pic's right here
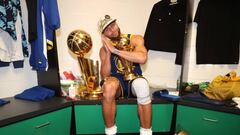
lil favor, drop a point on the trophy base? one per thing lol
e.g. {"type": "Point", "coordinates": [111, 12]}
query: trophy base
{"type": "Point", "coordinates": [93, 97]}
{"type": "Point", "coordinates": [93, 94]}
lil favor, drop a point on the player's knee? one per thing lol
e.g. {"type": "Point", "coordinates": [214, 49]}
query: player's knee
{"type": "Point", "coordinates": [140, 89]}
{"type": "Point", "coordinates": [110, 87]}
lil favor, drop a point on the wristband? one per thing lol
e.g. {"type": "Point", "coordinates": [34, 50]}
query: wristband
{"type": "Point", "coordinates": [116, 51]}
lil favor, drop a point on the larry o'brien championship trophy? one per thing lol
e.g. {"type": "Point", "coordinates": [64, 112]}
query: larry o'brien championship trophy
{"type": "Point", "coordinates": [127, 67]}
{"type": "Point", "coordinates": [80, 43]}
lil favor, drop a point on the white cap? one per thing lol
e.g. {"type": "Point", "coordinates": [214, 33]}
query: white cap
{"type": "Point", "coordinates": [104, 22]}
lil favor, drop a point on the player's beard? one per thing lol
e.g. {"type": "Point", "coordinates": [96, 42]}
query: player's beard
{"type": "Point", "coordinates": [117, 37]}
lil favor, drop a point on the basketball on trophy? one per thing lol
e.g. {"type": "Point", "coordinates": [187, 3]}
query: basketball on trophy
{"type": "Point", "coordinates": [79, 42]}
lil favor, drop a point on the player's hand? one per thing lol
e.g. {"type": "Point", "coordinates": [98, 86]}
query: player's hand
{"type": "Point", "coordinates": [107, 43]}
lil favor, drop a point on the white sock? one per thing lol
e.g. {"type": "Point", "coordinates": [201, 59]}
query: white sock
{"type": "Point", "coordinates": [111, 131]}
{"type": "Point", "coordinates": [145, 131]}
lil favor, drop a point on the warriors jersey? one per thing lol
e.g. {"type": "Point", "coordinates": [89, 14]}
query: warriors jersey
{"type": "Point", "coordinates": [117, 69]}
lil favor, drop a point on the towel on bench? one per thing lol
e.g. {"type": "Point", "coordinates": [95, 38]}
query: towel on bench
{"type": "Point", "coordinates": [3, 102]}
{"type": "Point", "coordinates": [36, 93]}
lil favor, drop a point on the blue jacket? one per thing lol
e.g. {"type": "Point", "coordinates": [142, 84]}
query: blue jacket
{"type": "Point", "coordinates": [49, 8]}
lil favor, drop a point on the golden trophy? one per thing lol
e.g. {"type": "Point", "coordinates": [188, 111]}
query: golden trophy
{"type": "Point", "coordinates": [80, 43]}
{"type": "Point", "coordinates": [123, 43]}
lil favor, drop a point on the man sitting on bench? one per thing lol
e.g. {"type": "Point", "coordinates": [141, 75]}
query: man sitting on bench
{"type": "Point", "coordinates": [114, 82]}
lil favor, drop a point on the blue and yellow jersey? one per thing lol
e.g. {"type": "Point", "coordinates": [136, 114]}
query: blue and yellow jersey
{"type": "Point", "coordinates": [117, 68]}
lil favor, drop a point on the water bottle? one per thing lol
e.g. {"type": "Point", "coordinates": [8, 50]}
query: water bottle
{"type": "Point", "coordinates": [72, 91]}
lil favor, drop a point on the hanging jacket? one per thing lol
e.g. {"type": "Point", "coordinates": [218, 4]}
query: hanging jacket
{"type": "Point", "coordinates": [9, 10]}
{"type": "Point", "coordinates": [166, 28]}
{"type": "Point", "coordinates": [218, 30]}
{"type": "Point", "coordinates": [32, 19]}
{"type": "Point", "coordinates": [48, 21]}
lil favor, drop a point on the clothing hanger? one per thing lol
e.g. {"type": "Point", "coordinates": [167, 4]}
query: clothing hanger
{"type": "Point", "coordinates": [173, 2]}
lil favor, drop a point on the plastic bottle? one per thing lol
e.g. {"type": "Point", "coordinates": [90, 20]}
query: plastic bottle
{"type": "Point", "coordinates": [178, 84]}
{"type": "Point", "coordinates": [72, 91]}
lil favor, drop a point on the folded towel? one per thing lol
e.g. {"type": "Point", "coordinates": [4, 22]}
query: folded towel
{"type": "Point", "coordinates": [159, 93]}
{"type": "Point", "coordinates": [3, 102]}
{"type": "Point", "coordinates": [36, 93]}
{"type": "Point", "coordinates": [165, 94]}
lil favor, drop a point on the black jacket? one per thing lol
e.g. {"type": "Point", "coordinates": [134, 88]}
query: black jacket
{"type": "Point", "coordinates": [166, 28]}
{"type": "Point", "coordinates": [218, 31]}
{"type": "Point", "coordinates": [32, 19]}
